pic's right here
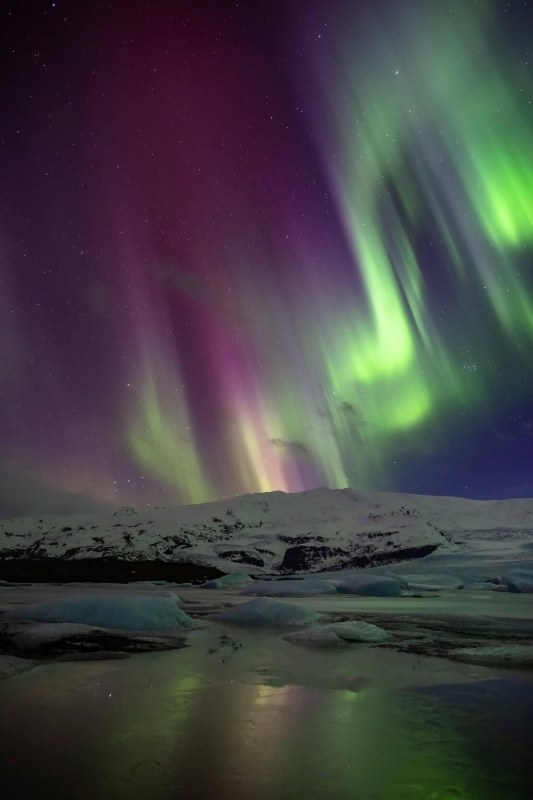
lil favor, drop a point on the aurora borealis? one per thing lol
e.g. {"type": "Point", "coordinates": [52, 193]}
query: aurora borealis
{"type": "Point", "coordinates": [259, 246]}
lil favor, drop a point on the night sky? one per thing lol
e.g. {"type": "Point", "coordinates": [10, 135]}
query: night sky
{"type": "Point", "coordinates": [248, 246]}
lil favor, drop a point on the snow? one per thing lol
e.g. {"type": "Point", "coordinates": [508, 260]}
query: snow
{"type": "Point", "coordinates": [291, 588]}
{"type": "Point", "coordinates": [127, 612]}
{"type": "Point", "coordinates": [370, 585]}
{"type": "Point", "coordinates": [264, 612]}
{"type": "Point", "coordinates": [359, 524]}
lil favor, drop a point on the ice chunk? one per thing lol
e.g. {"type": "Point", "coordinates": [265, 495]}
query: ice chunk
{"type": "Point", "coordinates": [515, 655]}
{"type": "Point", "coordinates": [372, 585]}
{"type": "Point", "coordinates": [519, 580]}
{"type": "Point", "coordinates": [430, 581]}
{"type": "Point", "coordinates": [484, 586]}
{"type": "Point", "coordinates": [148, 584]}
{"type": "Point", "coordinates": [11, 665]}
{"type": "Point", "coordinates": [395, 577]}
{"type": "Point", "coordinates": [264, 612]}
{"type": "Point", "coordinates": [228, 581]}
{"type": "Point", "coordinates": [321, 636]}
{"type": "Point", "coordinates": [359, 631]}
{"type": "Point", "coordinates": [290, 588]}
{"type": "Point", "coordinates": [128, 612]}
{"type": "Point", "coordinates": [33, 637]}
{"type": "Point", "coordinates": [337, 634]}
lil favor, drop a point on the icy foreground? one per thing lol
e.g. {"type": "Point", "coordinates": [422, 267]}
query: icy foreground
{"type": "Point", "coordinates": [101, 620]}
{"type": "Point", "coordinates": [323, 529]}
{"type": "Point", "coordinates": [304, 694]}
{"type": "Point", "coordinates": [260, 713]}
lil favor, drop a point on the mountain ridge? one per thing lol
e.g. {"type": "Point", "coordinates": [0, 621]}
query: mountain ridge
{"type": "Point", "coordinates": [277, 532]}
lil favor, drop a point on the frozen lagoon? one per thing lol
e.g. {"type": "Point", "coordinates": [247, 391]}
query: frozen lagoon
{"type": "Point", "coordinates": [244, 714]}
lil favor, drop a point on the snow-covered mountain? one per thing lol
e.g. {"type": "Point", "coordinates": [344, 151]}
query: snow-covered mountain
{"type": "Point", "coordinates": [278, 532]}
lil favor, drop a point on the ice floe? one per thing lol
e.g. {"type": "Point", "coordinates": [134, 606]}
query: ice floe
{"type": "Point", "coordinates": [291, 588]}
{"type": "Point", "coordinates": [127, 612]}
{"type": "Point", "coordinates": [264, 612]}
{"type": "Point", "coordinates": [370, 585]}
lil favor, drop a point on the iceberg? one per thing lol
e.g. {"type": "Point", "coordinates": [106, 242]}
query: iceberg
{"type": "Point", "coordinates": [321, 636]}
{"type": "Point", "coordinates": [290, 588]}
{"type": "Point", "coordinates": [431, 581]}
{"type": "Point", "coordinates": [484, 586]}
{"type": "Point", "coordinates": [127, 612]}
{"type": "Point", "coordinates": [227, 581]}
{"type": "Point", "coordinates": [264, 612]}
{"type": "Point", "coordinates": [359, 631]}
{"type": "Point", "coordinates": [519, 580]}
{"type": "Point", "coordinates": [34, 636]}
{"type": "Point", "coordinates": [337, 634]}
{"type": "Point", "coordinates": [373, 586]}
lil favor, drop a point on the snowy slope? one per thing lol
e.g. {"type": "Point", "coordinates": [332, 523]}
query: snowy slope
{"type": "Point", "coordinates": [278, 532]}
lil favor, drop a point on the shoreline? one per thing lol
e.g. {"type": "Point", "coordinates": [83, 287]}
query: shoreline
{"type": "Point", "coordinates": [102, 570]}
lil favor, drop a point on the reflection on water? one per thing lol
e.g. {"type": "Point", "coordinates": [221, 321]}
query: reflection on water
{"type": "Point", "coordinates": [163, 726]}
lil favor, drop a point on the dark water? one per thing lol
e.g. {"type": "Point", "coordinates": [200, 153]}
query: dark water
{"type": "Point", "coordinates": [179, 725]}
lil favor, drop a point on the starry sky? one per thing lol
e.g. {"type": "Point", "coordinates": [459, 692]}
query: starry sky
{"type": "Point", "coordinates": [255, 246]}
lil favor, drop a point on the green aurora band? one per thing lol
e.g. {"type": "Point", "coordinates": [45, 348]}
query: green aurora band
{"type": "Point", "coordinates": [425, 128]}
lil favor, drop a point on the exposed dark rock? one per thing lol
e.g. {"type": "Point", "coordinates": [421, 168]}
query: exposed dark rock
{"type": "Point", "coordinates": [300, 539]}
{"type": "Point", "coordinates": [309, 558]}
{"type": "Point", "coordinates": [242, 557]}
{"type": "Point", "coordinates": [391, 557]}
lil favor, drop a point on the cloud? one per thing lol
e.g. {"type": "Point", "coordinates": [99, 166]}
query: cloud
{"type": "Point", "coordinates": [24, 493]}
{"type": "Point", "coordinates": [349, 408]}
{"type": "Point", "coordinates": [287, 444]}
{"type": "Point", "coordinates": [354, 418]}
{"type": "Point", "coordinates": [527, 427]}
